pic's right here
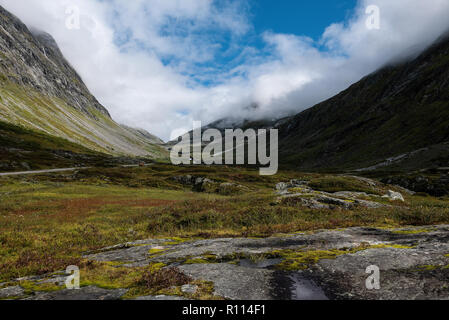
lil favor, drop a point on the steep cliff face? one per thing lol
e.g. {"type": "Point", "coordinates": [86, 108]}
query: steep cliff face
{"type": "Point", "coordinates": [41, 91]}
{"type": "Point", "coordinates": [394, 112]}
{"type": "Point", "coordinates": [32, 58]}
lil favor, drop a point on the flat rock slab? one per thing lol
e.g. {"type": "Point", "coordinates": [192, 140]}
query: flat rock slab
{"type": "Point", "coordinates": [85, 293]}
{"type": "Point", "coordinates": [131, 251]}
{"type": "Point", "coordinates": [234, 282]}
{"type": "Point", "coordinates": [418, 273]}
{"type": "Point", "coordinates": [323, 240]}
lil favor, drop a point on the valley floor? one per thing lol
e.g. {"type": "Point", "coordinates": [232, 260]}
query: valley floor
{"type": "Point", "coordinates": [218, 233]}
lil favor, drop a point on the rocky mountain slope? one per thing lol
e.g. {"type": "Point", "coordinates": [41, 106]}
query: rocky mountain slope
{"type": "Point", "coordinates": [39, 90]}
{"type": "Point", "coordinates": [390, 116]}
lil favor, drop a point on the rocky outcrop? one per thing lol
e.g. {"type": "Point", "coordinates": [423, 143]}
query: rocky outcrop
{"type": "Point", "coordinates": [31, 58]}
{"type": "Point", "coordinates": [299, 192]}
{"type": "Point", "coordinates": [202, 184]}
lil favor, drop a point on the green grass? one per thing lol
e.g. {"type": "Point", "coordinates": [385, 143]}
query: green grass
{"type": "Point", "coordinates": [294, 260]}
{"type": "Point", "coordinates": [46, 226]}
{"type": "Point", "coordinates": [48, 221]}
{"type": "Point", "coordinates": [335, 184]}
{"type": "Point", "coordinates": [23, 149]}
{"type": "Point", "coordinates": [11, 135]}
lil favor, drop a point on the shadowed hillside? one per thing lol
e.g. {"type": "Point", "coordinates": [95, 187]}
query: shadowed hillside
{"type": "Point", "coordinates": [394, 111]}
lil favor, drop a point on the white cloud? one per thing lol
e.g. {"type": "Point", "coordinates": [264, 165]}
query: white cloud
{"type": "Point", "coordinates": [351, 51]}
{"type": "Point", "coordinates": [123, 48]}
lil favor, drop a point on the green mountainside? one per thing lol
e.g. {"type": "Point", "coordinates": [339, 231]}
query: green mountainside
{"type": "Point", "coordinates": [40, 91]}
{"type": "Point", "coordinates": [24, 149]}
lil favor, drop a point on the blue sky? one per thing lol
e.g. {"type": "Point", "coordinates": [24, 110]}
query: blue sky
{"type": "Point", "coordinates": [296, 17]}
{"type": "Point", "coordinates": [300, 17]}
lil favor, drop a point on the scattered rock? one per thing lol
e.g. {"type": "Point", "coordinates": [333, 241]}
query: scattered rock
{"type": "Point", "coordinates": [189, 288]}
{"type": "Point", "coordinates": [393, 196]}
{"type": "Point", "coordinates": [283, 186]}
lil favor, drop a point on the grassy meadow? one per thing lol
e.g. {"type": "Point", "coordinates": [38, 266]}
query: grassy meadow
{"type": "Point", "coordinates": [48, 221]}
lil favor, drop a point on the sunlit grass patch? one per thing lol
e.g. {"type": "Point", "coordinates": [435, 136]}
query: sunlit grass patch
{"type": "Point", "coordinates": [30, 287]}
{"type": "Point", "coordinates": [415, 231]}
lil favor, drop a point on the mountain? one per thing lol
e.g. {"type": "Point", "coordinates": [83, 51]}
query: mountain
{"type": "Point", "coordinates": [40, 91]}
{"type": "Point", "coordinates": [397, 115]}
{"type": "Point", "coordinates": [233, 122]}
